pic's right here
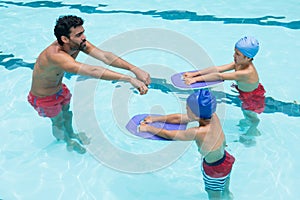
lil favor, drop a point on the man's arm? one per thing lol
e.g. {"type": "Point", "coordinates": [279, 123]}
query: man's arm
{"type": "Point", "coordinates": [113, 60]}
{"type": "Point", "coordinates": [67, 63]}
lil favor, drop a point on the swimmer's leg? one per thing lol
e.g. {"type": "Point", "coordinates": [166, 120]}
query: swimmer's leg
{"type": "Point", "coordinates": [251, 116]}
{"type": "Point", "coordinates": [220, 194]}
{"type": "Point", "coordinates": [58, 127]}
{"type": "Point", "coordinates": [250, 119]}
{"type": "Point", "coordinates": [58, 131]}
{"type": "Point", "coordinates": [213, 195]}
{"type": "Point", "coordinates": [226, 194]}
{"type": "Point", "coordinates": [68, 116]}
{"type": "Point", "coordinates": [73, 145]}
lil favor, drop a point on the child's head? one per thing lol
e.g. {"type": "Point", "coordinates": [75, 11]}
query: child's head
{"type": "Point", "coordinates": [202, 103]}
{"type": "Point", "coordinates": [248, 46]}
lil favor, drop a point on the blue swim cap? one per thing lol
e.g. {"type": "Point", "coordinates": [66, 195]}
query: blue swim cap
{"type": "Point", "coordinates": [248, 46]}
{"type": "Point", "coordinates": [202, 103]}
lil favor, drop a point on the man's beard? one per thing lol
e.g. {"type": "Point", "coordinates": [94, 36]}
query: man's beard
{"type": "Point", "coordinates": [80, 47]}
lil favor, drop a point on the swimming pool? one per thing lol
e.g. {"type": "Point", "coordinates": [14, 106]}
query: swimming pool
{"type": "Point", "coordinates": [34, 166]}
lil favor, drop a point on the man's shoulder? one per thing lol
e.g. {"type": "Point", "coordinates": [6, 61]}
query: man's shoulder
{"type": "Point", "coordinates": [54, 49]}
{"type": "Point", "coordinates": [53, 53]}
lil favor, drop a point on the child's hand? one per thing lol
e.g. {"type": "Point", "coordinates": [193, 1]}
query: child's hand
{"type": "Point", "coordinates": [189, 81]}
{"type": "Point", "coordinates": [143, 127]}
{"type": "Point", "coordinates": [188, 75]}
{"type": "Point", "coordinates": [147, 120]}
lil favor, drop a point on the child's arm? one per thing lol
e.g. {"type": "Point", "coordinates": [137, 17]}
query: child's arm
{"type": "Point", "coordinates": [206, 77]}
{"type": "Point", "coordinates": [200, 72]}
{"type": "Point", "coordinates": [183, 135]}
{"type": "Point", "coordinates": [227, 67]}
{"type": "Point", "coordinates": [209, 70]}
{"type": "Point", "coordinates": [240, 75]}
{"type": "Point", "coordinates": [172, 118]}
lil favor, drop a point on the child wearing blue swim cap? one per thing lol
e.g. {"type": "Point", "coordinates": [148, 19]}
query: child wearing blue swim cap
{"type": "Point", "coordinates": [243, 71]}
{"type": "Point", "coordinates": [209, 137]}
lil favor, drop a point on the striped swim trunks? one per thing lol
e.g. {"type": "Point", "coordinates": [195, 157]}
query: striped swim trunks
{"type": "Point", "coordinates": [216, 174]}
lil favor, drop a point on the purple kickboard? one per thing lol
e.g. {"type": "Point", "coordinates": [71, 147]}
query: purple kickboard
{"type": "Point", "coordinates": [178, 81]}
{"type": "Point", "coordinates": [134, 122]}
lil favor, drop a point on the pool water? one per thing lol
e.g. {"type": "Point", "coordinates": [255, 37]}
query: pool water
{"type": "Point", "coordinates": [33, 165]}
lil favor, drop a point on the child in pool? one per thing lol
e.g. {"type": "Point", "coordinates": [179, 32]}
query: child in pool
{"type": "Point", "coordinates": [209, 137]}
{"type": "Point", "coordinates": [251, 92]}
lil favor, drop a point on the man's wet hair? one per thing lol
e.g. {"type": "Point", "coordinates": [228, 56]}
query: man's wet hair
{"type": "Point", "coordinates": [64, 24]}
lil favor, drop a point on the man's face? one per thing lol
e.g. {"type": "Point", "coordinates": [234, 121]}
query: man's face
{"type": "Point", "coordinates": [77, 38]}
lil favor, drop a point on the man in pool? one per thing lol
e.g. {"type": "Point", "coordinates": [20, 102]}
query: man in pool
{"type": "Point", "coordinates": [51, 98]}
{"type": "Point", "coordinates": [251, 91]}
{"type": "Point", "coordinates": [209, 137]}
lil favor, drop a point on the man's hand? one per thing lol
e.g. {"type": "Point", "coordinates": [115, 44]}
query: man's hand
{"type": "Point", "coordinates": [143, 89]}
{"type": "Point", "coordinates": [142, 75]}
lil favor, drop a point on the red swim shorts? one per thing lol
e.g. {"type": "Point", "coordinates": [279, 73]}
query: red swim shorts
{"type": "Point", "coordinates": [219, 169]}
{"type": "Point", "coordinates": [50, 106]}
{"type": "Point", "coordinates": [254, 100]}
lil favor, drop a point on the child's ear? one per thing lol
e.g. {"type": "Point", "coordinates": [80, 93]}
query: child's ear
{"type": "Point", "coordinates": [249, 59]}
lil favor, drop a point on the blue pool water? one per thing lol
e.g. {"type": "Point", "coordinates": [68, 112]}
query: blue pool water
{"type": "Point", "coordinates": [119, 166]}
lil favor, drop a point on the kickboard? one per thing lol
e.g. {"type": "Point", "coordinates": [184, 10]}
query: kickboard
{"type": "Point", "coordinates": [178, 82]}
{"type": "Point", "coordinates": [133, 125]}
